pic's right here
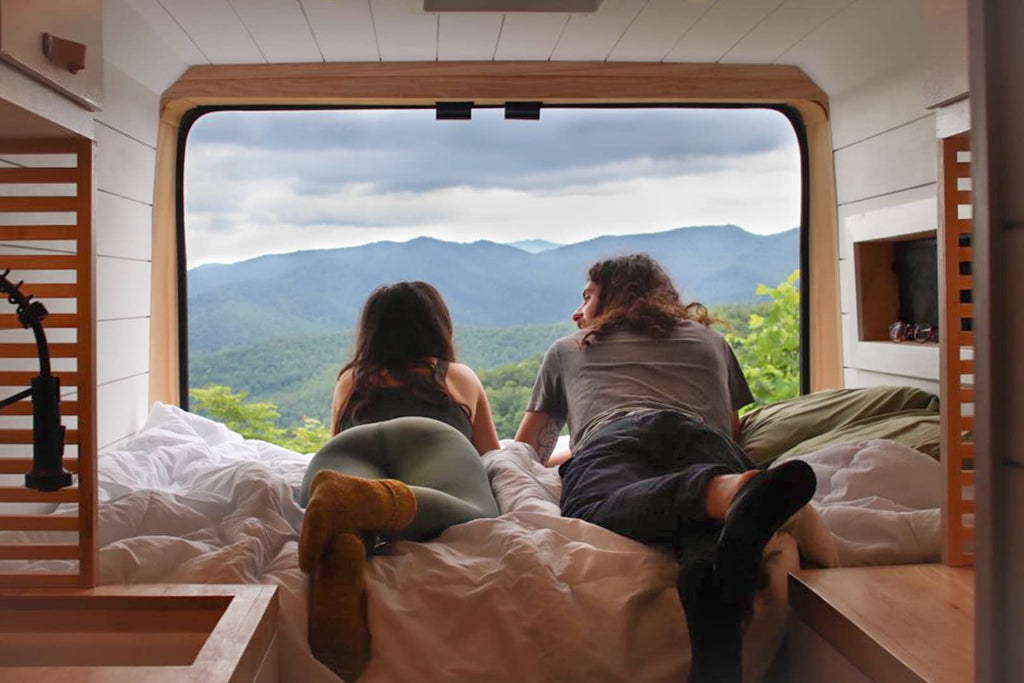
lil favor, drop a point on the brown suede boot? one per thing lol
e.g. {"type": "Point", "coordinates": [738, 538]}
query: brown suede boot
{"type": "Point", "coordinates": [331, 552]}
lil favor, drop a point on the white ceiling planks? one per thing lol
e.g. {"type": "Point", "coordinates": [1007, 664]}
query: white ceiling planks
{"type": "Point", "coordinates": [721, 27]}
{"type": "Point", "coordinates": [591, 37]}
{"type": "Point", "coordinates": [529, 36]}
{"type": "Point", "coordinates": [866, 40]}
{"type": "Point", "coordinates": [464, 36]}
{"type": "Point", "coordinates": [216, 29]}
{"type": "Point", "coordinates": [343, 29]}
{"type": "Point", "coordinates": [657, 28]}
{"type": "Point", "coordinates": [280, 29]}
{"type": "Point", "coordinates": [782, 29]}
{"type": "Point", "coordinates": [164, 25]}
{"type": "Point", "coordinates": [405, 33]}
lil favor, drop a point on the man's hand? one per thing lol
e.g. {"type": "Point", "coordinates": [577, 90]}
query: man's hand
{"type": "Point", "coordinates": [540, 430]}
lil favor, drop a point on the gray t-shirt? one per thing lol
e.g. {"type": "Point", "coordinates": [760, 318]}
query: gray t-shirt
{"type": "Point", "coordinates": [693, 370]}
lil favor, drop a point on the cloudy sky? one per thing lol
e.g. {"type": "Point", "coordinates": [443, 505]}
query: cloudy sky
{"type": "Point", "coordinates": [272, 182]}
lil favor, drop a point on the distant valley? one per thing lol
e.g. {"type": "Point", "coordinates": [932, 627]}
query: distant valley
{"type": "Point", "coordinates": [279, 326]}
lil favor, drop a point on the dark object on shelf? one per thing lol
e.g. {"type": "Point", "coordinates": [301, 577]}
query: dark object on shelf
{"type": "Point", "coordinates": [48, 473]}
{"type": "Point", "coordinates": [67, 54]}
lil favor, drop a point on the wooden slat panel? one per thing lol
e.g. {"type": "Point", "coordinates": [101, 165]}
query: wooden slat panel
{"type": "Point", "coordinates": [39, 232]}
{"type": "Point", "coordinates": [967, 422]}
{"type": "Point", "coordinates": [965, 310]}
{"type": "Point", "coordinates": [38, 204]}
{"type": "Point", "coordinates": [39, 552]}
{"type": "Point", "coordinates": [17, 378]}
{"type": "Point", "coordinates": [967, 478]}
{"type": "Point", "coordinates": [965, 254]}
{"type": "Point", "coordinates": [965, 338]}
{"type": "Point", "coordinates": [37, 146]}
{"type": "Point", "coordinates": [12, 494]}
{"type": "Point", "coordinates": [967, 533]}
{"type": "Point", "coordinates": [967, 506]}
{"type": "Point", "coordinates": [32, 351]}
{"type": "Point", "coordinates": [38, 175]}
{"type": "Point", "coordinates": [38, 262]}
{"type": "Point", "coordinates": [24, 436]}
{"type": "Point", "coordinates": [965, 367]}
{"type": "Point", "coordinates": [51, 290]}
{"type": "Point", "coordinates": [37, 580]}
{"type": "Point", "coordinates": [966, 394]}
{"type": "Point", "coordinates": [38, 523]}
{"type": "Point", "coordinates": [25, 408]}
{"type": "Point", "coordinates": [23, 465]}
{"type": "Point", "coordinates": [10, 321]}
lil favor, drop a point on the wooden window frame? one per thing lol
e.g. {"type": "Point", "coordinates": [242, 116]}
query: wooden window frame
{"type": "Point", "coordinates": [494, 83]}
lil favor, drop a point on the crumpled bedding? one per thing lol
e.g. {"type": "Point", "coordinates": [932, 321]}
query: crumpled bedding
{"type": "Point", "coordinates": [526, 596]}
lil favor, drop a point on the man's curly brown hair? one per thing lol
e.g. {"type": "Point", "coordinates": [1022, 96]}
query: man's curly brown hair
{"type": "Point", "coordinates": [636, 294]}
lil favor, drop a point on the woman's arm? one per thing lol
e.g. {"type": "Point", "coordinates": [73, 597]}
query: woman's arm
{"type": "Point", "coordinates": [342, 392]}
{"type": "Point", "coordinates": [465, 387]}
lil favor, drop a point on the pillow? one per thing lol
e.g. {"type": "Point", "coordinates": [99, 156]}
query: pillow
{"type": "Point", "coordinates": [917, 429]}
{"type": "Point", "coordinates": [769, 431]}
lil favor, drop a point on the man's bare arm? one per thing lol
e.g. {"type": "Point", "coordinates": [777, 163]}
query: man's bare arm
{"type": "Point", "coordinates": [540, 430]}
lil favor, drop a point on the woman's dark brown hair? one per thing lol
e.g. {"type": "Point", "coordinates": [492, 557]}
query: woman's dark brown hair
{"type": "Point", "coordinates": [402, 327]}
{"type": "Point", "coordinates": [636, 294]}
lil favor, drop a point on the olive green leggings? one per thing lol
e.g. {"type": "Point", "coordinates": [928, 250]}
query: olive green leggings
{"type": "Point", "coordinates": [435, 460]}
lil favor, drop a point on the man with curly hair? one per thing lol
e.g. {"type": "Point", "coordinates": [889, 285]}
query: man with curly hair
{"type": "Point", "coordinates": [650, 392]}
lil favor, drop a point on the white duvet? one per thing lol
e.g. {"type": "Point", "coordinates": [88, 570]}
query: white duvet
{"type": "Point", "coordinates": [529, 596]}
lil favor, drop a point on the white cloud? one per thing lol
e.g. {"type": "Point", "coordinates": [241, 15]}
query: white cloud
{"type": "Point", "coordinates": [240, 204]}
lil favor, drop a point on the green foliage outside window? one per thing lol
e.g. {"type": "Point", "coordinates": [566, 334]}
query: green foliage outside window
{"type": "Point", "coordinates": [769, 351]}
{"type": "Point", "coordinates": [257, 420]}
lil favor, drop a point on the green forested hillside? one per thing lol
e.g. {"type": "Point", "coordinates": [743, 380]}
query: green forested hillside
{"type": "Point", "coordinates": [297, 373]}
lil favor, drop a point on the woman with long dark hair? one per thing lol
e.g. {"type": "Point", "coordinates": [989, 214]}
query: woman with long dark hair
{"type": "Point", "coordinates": [408, 426]}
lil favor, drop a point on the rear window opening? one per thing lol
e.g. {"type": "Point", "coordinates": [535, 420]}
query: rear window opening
{"type": "Point", "coordinates": [291, 218]}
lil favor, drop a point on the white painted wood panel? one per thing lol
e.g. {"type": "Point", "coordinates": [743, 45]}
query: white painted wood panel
{"type": "Point", "coordinates": [32, 96]}
{"type": "Point", "coordinates": [591, 37]}
{"type": "Point", "coordinates": [122, 349]}
{"type": "Point", "coordinates": [865, 378]}
{"type": "Point", "coordinates": [657, 29]}
{"type": "Point", "coordinates": [463, 36]}
{"type": "Point", "coordinates": [121, 409]}
{"type": "Point", "coordinates": [867, 40]}
{"type": "Point", "coordinates": [908, 359]}
{"type": "Point", "coordinates": [216, 29]}
{"type": "Point", "coordinates": [122, 288]}
{"type": "Point", "coordinates": [847, 286]}
{"type": "Point", "coordinates": [280, 29]}
{"type": "Point", "coordinates": [404, 33]}
{"type": "Point", "coordinates": [896, 160]}
{"type": "Point", "coordinates": [131, 44]}
{"type": "Point", "coordinates": [881, 105]}
{"type": "Point", "coordinates": [343, 29]}
{"type": "Point", "coordinates": [722, 27]}
{"type": "Point", "coordinates": [124, 166]}
{"type": "Point", "coordinates": [165, 26]}
{"type": "Point", "coordinates": [123, 228]}
{"type": "Point", "coordinates": [899, 213]}
{"type": "Point", "coordinates": [529, 37]}
{"type": "Point", "coordinates": [786, 26]}
{"type": "Point", "coordinates": [129, 106]}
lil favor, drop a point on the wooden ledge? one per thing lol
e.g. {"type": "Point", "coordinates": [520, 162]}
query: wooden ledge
{"type": "Point", "coordinates": [899, 623]}
{"type": "Point", "coordinates": [210, 633]}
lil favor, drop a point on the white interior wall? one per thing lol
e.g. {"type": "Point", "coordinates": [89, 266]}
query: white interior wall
{"type": "Point", "coordinates": [138, 67]}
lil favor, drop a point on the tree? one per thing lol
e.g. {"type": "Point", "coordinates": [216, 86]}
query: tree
{"type": "Point", "coordinates": [257, 420]}
{"type": "Point", "coordinates": [769, 352]}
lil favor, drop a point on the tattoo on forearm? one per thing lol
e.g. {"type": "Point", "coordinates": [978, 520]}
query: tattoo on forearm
{"type": "Point", "coordinates": [547, 437]}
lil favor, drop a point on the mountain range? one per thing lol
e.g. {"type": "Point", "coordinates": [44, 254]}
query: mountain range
{"type": "Point", "coordinates": [484, 283]}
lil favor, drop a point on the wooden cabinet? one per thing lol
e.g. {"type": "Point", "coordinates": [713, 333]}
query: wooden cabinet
{"type": "Point", "coordinates": [23, 24]}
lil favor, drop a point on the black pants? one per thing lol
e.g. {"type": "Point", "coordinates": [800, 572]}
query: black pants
{"type": "Point", "coordinates": [644, 476]}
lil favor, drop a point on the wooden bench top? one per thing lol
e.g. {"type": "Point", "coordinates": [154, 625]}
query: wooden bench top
{"type": "Point", "coordinates": [895, 623]}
